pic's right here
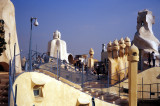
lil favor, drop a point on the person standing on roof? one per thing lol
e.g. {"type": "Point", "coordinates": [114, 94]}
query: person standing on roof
{"type": "Point", "coordinates": [153, 58]}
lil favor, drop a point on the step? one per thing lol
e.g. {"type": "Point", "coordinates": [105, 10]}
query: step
{"type": "Point", "coordinates": [3, 99]}
{"type": "Point", "coordinates": [85, 89]}
{"type": "Point", "coordinates": [122, 102]}
{"type": "Point", "coordinates": [109, 97]}
{"type": "Point", "coordinates": [98, 86]}
{"type": "Point", "coordinates": [5, 93]}
{"type": "Point", "coordinates": [4, 81]}
{"type": "Point", "coordinates": [91, 83]}
{"type": "Point", "coordinates": [96, 94]}
{"type": "Point", "coordinates": [1, 73]}
{"type": "Point", "coordinates": [4, 76]}
{"type": "Point", "coordinates": [3, 104]}
{"type": "Point", "coordinates": [3, 87]}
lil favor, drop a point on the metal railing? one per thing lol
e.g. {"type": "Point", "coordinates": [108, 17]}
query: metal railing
{"type": "Point", "coordinates": [148, 91]}
{"type": "Point", "coordinates": [67, 71]}
{"type": "Point", "coordinates": [11, 93]}
{"type": "Point", "coordinates": [51, 64]}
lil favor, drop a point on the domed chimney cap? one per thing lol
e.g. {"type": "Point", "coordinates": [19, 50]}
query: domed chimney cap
{"type": "Point", "coordinates": [91, 51]}
{"type": "Point", "coordinates": [121, 41]}
{"type": "Point", "coordinates": [127, 39]}
{"type": "Point", "coordinates": [56, 35]}
{"type": "Point", "coordinates": [115, 43]}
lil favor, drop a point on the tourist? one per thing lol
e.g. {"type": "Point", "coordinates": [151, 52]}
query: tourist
{"type": "Point", "coordinates": [153, 58]}
{"type": "Point", "coordinates": [98, 70]}
{"type": "Point", "coordinates": [46, 58]}
{"type": "Point", "coordinates": [39, 59]}
{"type": "Point", "coordinates": [104, 68]}
{"type": "Point", "coordinates": [86, 69]}
{"type": "Point", "coordinates": [23, 61]}
{"type": "Point", "coordinates": [65, 67]}
{"type": "Point", "coordinates": [94, 71]}
{"type": "Point", "coordinates": [149, 59]}
{"type": "Point", "coordinates": [33, 62]}
{"type": "Point", "coordinates": [75, 66]}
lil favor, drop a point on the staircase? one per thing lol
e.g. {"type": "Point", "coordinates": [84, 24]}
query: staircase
{"type": "Point", "coordinates": [4, 82]}
{"type": "Point", "coordinates": [94, 89]}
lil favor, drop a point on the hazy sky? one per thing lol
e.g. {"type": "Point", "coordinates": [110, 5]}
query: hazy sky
{"type": "Point", "coordinates": [83, 24]}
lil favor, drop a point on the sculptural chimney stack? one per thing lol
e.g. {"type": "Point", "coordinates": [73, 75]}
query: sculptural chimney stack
{"type": "Point", "coordinates": [133, 59]}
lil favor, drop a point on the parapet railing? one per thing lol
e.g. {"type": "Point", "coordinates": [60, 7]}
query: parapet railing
{"type": "Point", "coordinates": [147, 91]}
{"type": "Point", "coordinates": [102, 86]}
{"type": "Point", "coordinates": [68, 72]}
{"type": "Point", "coordinates": [117, 78]}
{"type": "Point", "coordinates": [11, 94]}
{"type": "Point", "coordinates": [58, 67]}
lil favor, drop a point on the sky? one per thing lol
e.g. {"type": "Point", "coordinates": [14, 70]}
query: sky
{"type": "Point", "coordinates": [83, 24]}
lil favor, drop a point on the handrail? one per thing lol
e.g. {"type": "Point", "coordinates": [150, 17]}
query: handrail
{"type": "Point", "coordinates": [11, 92]}
{"type": "Point", "coordinates": [150, 84]}
{"type": "Point", "coordinates": [67, 72]}
{"type": "Point", "coordinates": [10, 84]}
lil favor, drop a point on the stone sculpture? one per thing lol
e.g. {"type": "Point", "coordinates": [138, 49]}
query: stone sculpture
{"type": "Point", "coordinates": [122, 47]}
{"type": "Point", "coordinates": [133, 59]}
{"type": "Point", "coordinates": [117, 53]}
{"type": "Point", "coordinates": [57, 44]}
{"type": "Point", "coordinates": [91, 52]}
{"type": "Point", "coordinates": [7, 13]}
{"type": "Point", "coordinates": [91, 60]}
{"type": "Point", "coordinates": [128, 44]}
{"type": "Point", "coordinates": [144, 38]}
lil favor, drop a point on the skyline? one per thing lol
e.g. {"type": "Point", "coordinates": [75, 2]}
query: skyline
{"type": "Point", "coordinates": [83, 24]}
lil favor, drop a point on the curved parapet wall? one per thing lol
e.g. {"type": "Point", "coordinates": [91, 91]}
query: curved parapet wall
{"type": "Point", "coordinates": [51, 92]}
{"type": "Point", "coordinates": [7, 13]}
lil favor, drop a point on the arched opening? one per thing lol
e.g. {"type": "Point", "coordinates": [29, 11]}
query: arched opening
{"type": "Point", "coordinates": [142, 23]}
{"type": "Point", "coordinates": [4, 67]}
{"type": "Point", "coordinates": [70, 59]}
